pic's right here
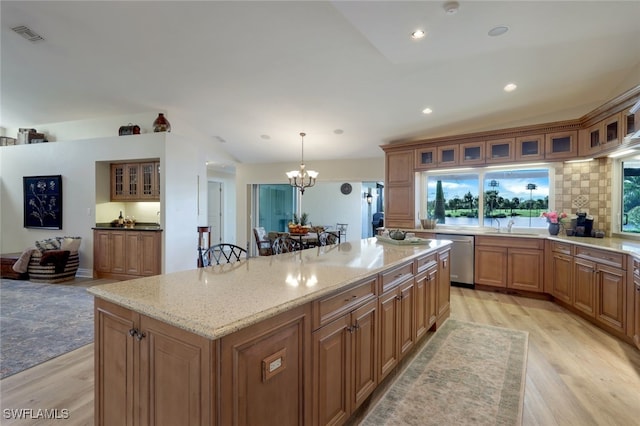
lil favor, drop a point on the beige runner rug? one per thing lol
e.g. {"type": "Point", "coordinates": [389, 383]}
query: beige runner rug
{"type": "Point", "coordinates": [466, 374]}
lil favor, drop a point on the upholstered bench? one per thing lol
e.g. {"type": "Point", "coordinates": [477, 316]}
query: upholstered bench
{"type": "Point", "coordinates": [6, 271]}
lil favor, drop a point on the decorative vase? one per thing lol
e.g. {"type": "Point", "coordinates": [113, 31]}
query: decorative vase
{"type": "Point", "coordinates": [161, 124]}
{"type": "Point", "coordinates": [554, 228]}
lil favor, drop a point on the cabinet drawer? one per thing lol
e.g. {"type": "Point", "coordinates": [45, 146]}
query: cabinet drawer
{"type": "Point", "coordinates": [395, 276]}
{"type": "Point", "coordinates": [601, 256]}
{"type": "Point", "coordinates": [425, 262]}
{"type": "Point", "coordinates": [510, 242]}
{"type": "Point", "coordinates": [564, 248]}
{"type": "Point", "coordinates": [328, 308]}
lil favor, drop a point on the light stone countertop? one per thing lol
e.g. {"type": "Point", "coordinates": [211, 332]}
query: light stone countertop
{"type": "Point", "coordinates": [620, 245]}
{"type": "Point", "coordinates": [218, 300]}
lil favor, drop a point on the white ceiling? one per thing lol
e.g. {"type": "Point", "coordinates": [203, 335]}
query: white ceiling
{"type": "Point", "coordinates": [255, 74]}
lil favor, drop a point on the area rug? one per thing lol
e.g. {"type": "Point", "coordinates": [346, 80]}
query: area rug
{"type": "Point", "coordinates": [41, 321]}
{"type": "Point", "coordinates": [467, 374]}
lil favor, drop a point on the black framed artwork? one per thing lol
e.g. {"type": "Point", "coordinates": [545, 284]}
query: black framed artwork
{"type": "Point", "coordinates": [42, 201]}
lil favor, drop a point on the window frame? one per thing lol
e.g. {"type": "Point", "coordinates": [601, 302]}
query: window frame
{"type": "Point", "coordinates": [480, 172]}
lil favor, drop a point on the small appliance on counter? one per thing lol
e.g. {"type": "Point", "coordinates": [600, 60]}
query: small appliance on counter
{"type": "Point", "coordinates": [583, 225]}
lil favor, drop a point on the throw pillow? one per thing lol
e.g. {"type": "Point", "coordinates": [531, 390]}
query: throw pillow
{"type": "Point", "coordinates": [70, 243]}
{"type": "Point", "coordinates": [48, 244]}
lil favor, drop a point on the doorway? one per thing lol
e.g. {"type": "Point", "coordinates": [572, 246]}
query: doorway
{"type": "Point", "coordinates": [215, 219]}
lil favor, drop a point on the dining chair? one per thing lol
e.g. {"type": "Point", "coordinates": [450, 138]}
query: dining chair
{"type": "Point", "coordinates": [328, 238]}
{"type": "Point", "coordinates": [342, 231]}
{"type": "Point", "coordinates": [262, 241]}
{"type": "Point", "coordinates": [285, 244]}
{"type": "Point", "coordinates": [222, 253]}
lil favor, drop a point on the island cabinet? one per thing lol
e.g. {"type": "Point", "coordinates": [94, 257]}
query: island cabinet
{"type": "Point", "coordinates": [426, 287]}
{"type": "Point", "coordinates": [264, 369]}
{"type": "Point", "coordinates": [397, 318]}
{"type": "Point", "coordinates": [444, 286]}
{"type": "Point", "coordinates": [149, 372]}
{"type": "Point", "coordinates": [345, 351]}
{"type": "Point", "coordinates": [509, 262]}
{"type": "Point", "coordinates": [600, 286]}
{"type": "Point", "coordinates": [125, 254]}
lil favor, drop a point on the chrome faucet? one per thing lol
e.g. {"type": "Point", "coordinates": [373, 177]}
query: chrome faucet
{"type": "Point", "coordinates": [510, 225]}
{"type": "Point", "coordinates": [498, 221]}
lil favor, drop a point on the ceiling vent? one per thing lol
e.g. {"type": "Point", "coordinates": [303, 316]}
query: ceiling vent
{"type": "Point", "coordinates": [28, 33]}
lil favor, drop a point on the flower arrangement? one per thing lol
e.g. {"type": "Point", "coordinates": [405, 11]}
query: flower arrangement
{"type": "Point", "coordinates": [553, 217]}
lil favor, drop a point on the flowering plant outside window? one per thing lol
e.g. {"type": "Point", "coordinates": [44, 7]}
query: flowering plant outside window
{"type": "Point", "coordinates": [553, 217]}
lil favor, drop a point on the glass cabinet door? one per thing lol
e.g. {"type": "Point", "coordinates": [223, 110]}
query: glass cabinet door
{"type": "Point", "coordinates": [500, 150]}
{"type": "Point", "coordinates": [425, 158]}
{"type": "Point", "coordinates": [448, 155]}
{"type": "Point", "coordinates": [611, 131]}
{"type": "Point", "coordinates": [561, 145]}
{"type": "Point", "coordinates": [472, 153]}
{"type": "Point", "coordinates": [530, 148]}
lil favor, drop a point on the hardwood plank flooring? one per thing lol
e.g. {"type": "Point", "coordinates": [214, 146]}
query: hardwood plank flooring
{"type": "Point", "coordinates": [576, 373]}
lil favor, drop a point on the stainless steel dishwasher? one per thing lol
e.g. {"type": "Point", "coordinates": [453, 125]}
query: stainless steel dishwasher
{"type": "Point", "coordinates": [461, 258]}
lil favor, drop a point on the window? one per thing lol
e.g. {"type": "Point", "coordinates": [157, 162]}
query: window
{"type": "Point", "coordinates": [630, 195]}
{"type": "Point", "coordinates": [483, 197]}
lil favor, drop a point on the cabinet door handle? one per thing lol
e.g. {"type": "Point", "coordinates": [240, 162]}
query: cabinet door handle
{"type": "Point", "coordinates": [133, 332]}
{"type": "Point", "coordinates": [140, 335]}
{"type": "Point", "coordinates": [350, 329]}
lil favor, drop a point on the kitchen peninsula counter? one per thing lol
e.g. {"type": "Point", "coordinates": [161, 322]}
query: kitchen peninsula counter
{"type": "Point", "coordinates": [267, 340]}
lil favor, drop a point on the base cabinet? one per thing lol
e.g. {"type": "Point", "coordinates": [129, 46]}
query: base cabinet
{"type": "Point", "coordinates": [344, 364]}
{"type": "Point", "coordinates": [396, 326]}
{"type": "Point", "coordinates": [124, 254]}
{"type": "Point", "coordinates": [636, 333]}
{"type": "Point", "coordinates": [509, 262]}
{"type": "Point", "coordinates": [562, 270]}
{"type": "Point", "coordinates": [148, 372]}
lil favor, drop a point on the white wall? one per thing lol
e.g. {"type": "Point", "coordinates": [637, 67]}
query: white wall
{"type": "Point", "coordinates": [79, 162]}
{"type": "Point", "coordinates": [228, 180]}
{"type": "Point", "coordinates": [333, 172]}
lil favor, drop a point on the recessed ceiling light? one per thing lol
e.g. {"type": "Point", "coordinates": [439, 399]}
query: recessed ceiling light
{"type": "Point", "coordinates": [265, 137]}
{"type": "Point", "coordinates": [427, 111]}
{"type": "Point", "coordinates": [451, 7]}
{"type": "Point", "coordinates": [510, 87]}
{"type": "Point", "coordinates": [498, 30]}
{"type": "Point", "coordinates": [338, 131]}
{"type": "Point", "coordinates": [418, 34]}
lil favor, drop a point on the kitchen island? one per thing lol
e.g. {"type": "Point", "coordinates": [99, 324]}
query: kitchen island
{"type": "Point", "coordinates": [298, 338]}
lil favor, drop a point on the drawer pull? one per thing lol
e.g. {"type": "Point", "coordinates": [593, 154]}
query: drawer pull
{"type": "Point", "coordinates": [352, 297]}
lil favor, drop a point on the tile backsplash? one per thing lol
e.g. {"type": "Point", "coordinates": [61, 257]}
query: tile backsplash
{"type": "Point", "coordinates": [590, 179]}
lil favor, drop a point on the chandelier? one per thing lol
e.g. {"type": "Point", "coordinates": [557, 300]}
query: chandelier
{"type": "Point", "coordinates": [302, 178]}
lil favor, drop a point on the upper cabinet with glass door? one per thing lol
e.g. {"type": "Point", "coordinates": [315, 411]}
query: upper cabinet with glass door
{"type": "Point", "coordinates": [561, 145]}
{"type": "Point", "coordinates": [530, 148]}
{"type": "Point", "coordinates": [472, 153]}
{"type": "Point", "coordinates": [429, 157]}
{"type": "Point", "coordinates": [500, 150]}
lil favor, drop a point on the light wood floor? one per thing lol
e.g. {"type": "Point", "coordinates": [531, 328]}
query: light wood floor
{"type": "Point", "coordinates": [576, 374]}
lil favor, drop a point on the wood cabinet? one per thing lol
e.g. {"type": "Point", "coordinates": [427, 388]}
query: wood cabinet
{"type": "Point", "coordinates": [600, 286]}
{"type": "Point", "coordinates": [530, 148]}
{"type": "Point", "coordinates": [426, 286]}
{"type": "Point", "coordinates": [135, 181]}
{"type": "Point", "coordinates": [444, 285]}
{"type": "Point", "coordinates": [123, 254]}
{"type": "Point", "coordinates": [636, 316]}
{"type": "Point", "coordinates": [345, 352]}
{"type": "Point", "coordinates": [399, 190]}
{"type": "Point", "coordinates": [561, 145]}
{"type": "Point", "coordinates": [630, 122]}
{"type": "Point", "coordinates": [426, 158]}
{"type": "Point", "coordinates": [562, 271]}
{"type": "Point", "coordinates": [264, 370]}
{"type": "Point", "coordinates": [510, 262]}
{"type": "Point", "coordinates": [397, 318]}
{"type": "Point", "coordinates": [472, 153]}
{"type": "Point", "coordinates": [149, 372]}
{"type": "Point", "coordinates": [448, 155]}
{"type": "Point", "coordinates": [500, 150]}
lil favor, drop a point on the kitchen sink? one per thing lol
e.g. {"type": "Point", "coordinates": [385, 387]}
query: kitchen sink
{"type": "Point", "coordinates": [507, 233]}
